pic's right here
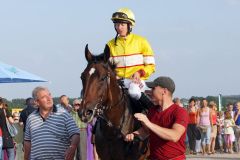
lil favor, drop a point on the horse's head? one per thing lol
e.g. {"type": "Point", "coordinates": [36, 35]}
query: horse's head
{"type": "Point", "coordinates": [96, 80]}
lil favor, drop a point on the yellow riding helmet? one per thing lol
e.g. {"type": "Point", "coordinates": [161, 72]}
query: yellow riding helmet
{"type": "Point", "coordinates": [124, 15]}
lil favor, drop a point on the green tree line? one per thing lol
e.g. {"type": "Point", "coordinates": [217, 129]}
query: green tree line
{"type": "Point", "coordinates": [21, 102]}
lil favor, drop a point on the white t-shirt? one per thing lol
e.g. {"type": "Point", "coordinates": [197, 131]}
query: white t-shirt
{"type": "Point", "coordinates": [228, 129]}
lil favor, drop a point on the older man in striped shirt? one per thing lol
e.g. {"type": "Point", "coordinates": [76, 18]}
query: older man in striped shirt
{"type": "Point", "coordinates": [51, 133]}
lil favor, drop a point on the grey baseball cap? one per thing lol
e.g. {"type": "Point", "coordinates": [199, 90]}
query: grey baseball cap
{"type": "Point", "coordinates": [164, 82]}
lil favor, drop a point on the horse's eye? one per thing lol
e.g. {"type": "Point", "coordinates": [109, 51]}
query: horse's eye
{"type": "Point", "coordinates": [103, 78]}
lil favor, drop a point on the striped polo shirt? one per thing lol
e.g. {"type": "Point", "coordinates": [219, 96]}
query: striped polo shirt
{"type": "Point", "coordinates": [50, 137]}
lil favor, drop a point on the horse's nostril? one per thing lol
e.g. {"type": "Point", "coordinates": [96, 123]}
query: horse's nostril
{"type": "Point", "coordinates": [89, 112]}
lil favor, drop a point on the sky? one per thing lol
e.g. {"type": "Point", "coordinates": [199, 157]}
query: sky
{"type": "Point", "coordinates": [196, 43]}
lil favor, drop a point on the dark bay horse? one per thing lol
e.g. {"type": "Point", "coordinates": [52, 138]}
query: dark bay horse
{"type": "Point", "coordinates": [105, 99]}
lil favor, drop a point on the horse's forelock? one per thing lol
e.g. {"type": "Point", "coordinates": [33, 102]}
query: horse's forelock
{"type": "Point", "coordinates": [99, 59]}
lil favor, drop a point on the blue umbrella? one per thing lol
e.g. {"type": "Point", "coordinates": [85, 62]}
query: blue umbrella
{"type": "Point", "coordinates": [11, 74]}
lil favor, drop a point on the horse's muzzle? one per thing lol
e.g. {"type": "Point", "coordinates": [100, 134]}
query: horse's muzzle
{"type": "Point", "coordinates": [86, 115]}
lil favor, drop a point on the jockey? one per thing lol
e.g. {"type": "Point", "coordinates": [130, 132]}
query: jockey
{"type": "Point", "coordinates": [131, 53]}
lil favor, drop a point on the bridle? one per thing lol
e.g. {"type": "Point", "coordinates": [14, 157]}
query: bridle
{"type": "Point", "coordinates": [101, 106]}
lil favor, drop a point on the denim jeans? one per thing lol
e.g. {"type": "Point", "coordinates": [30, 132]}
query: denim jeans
{"type": "Point", "coordinates": [221, 139]}
{"type": "Point", "coordinates": [10, 153]}
{"type": "Point", "coordinates": [205, 136]}
{"type": "Point", "coordinates": [237, 138]}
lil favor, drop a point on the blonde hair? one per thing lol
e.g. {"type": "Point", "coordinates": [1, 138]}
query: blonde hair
{"type": "Point", "coordinates": [212, 104]}
{"type": "Point", "coordinates": [220, 113]}
{"type": "Point", "coordinates": [238, 103]}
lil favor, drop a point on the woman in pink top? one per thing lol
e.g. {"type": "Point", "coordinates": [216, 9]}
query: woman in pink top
{"type": "Point", "coordinates": [204, 121]}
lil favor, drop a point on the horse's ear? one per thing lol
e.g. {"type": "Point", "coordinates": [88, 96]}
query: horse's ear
{"type": "Point", "coordinates": [106, 53]}
{"type": "Point", "coordinates": [88, 54]}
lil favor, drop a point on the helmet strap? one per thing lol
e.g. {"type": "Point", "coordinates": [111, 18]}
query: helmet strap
{"type": "Point", "coordinates": [115, 39]}
{"type": "Point", "coordinates": [129, 28]}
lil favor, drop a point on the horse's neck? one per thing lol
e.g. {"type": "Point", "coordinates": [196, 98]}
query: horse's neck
{"type": "Point", "coordinates": [120, 113]}
{"type": "Point", "coordinates": [116, 105]}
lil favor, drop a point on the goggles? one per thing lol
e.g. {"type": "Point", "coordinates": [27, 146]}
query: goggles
{"type": "Point", "coordinates": [120, 15]}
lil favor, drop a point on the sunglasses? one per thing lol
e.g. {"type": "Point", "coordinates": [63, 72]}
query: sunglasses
{"type": "Point", "coordinates": [77, 104]}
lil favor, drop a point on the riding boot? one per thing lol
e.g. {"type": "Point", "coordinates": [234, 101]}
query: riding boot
{"type": "Point", "coordinates": [145, 101]}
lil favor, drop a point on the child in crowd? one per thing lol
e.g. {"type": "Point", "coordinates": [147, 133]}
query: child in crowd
{"type": "Point", "coordinates": [228, 131]}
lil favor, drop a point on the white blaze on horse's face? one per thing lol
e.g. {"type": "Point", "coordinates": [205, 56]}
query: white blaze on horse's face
{"type": "Point", "coordinates": [92, 70]}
